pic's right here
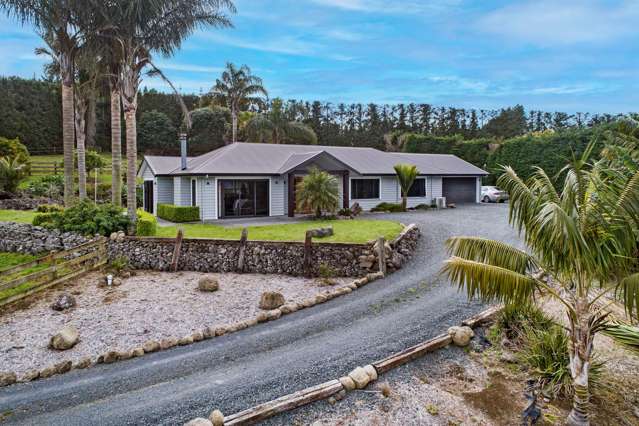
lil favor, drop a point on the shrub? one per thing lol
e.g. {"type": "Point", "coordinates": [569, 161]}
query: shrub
{"type": "Point", "coordinates": [12, 171]}
{"type": "Point", "coordinates": [326, 271]}
{"type": "Point", "coordinates": [50, 186]}
{"type": "Point", "coordinates": [388, 207]}
{"type": "Point", "coordinates": [49, 208]}
{"type": "Point", "coordinates": [44, 219]}
{"type": "Point", "coordinates": [345, 212]}
{"type": "Point", "coordinates": [14, 150]}
{"type": "Point", "coordinates": [147, 224]}
{"type": "Point", "coordinates": [178, 214]}
{"type": "Point", "coordinates": [422, 207]}
{"type": "Point", "coordinates": [87, 218]}
{"type": "Point", "coordinates": [513, 320]}
{"type": "Point", "coordinates": [317, 192]}
{"type": "Point", "coordinates": [119, 264]}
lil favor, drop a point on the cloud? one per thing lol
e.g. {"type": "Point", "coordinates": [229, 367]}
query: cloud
{"type": "Point", "coordinates": [343, 35]}
{"type": "Point", "coordinates": [548, 23]}
{"type": "Point", "coordinates": [390, 6]}
{"type": "Point", "coordinates": [174, 66]}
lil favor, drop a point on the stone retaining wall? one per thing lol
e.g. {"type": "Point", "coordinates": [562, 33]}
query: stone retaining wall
{"type": "Point", "coordinates": [25, 238]}
{"type": "Point", "coordinates": [264, 257]}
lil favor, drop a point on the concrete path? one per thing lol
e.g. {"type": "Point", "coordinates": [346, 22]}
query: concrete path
{"type": "Point", "coordinates": [237, 371]}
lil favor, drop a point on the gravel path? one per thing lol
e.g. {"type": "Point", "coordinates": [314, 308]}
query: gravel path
{"type": "Point", "coordinates": [264, 362]}
{"type": "Point", "coordinates": [149, 305]}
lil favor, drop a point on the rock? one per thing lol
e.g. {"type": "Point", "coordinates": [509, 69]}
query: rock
{"type": "Point", "coordinates": [63, 367]}
{"type": "Point", "coordinates": [374, 276]}
{"type": "Point", "coordinates": [217, 418]}
{"type": "Point", "coordinates": [321, 232]}
{"type": "Point", "coordinates": [7, 378]}
{"type": "Point", "coordinates": [83, 363]}
{"type": "Point", "coordinates": [361, 282]}
{"type": "Point", "coordinates": [110, 357]}
{"type": "Point", "coordinates": [348, 383]}
{"type": "Point", "coordinates": [636, 412]}
{"type": "Point", "coordinates": [65, 339]}
{"type": "Point", "coordinates": [508, 357]}
{"type": "Point", "coordinates": [346, 290]}
{"type": "Point", "coordinates": [63, 301]}
{"type": "Point", "coordinates": [320, 298]}
{"type": "Point", "coordinates": [208, 283]}
{"type": "Point", "coordinates": [273, 314]}
{"type": "Point", "coordinates": [138, 352]}
{"type": "Point", "coordinates": [271, 300]}
{"type": "Point", "coordinates": [372, 373]}
{"type": "Point", "coordinates": [186, 340]}
{"type": "Point", "coordinates": [47, 372]}
{"type": "Point", "coordinates": [308, 303]}
{"type": "Point", "coordinates": [208, 332]}
{"type": "Point", "coordinates": [168, 343]}
{"type": "Point", "coordinates": [151, 346]}
{"type": "Point", "coordinates": [352, 286]}
{"type": "Point", "coordinates": [30, 376]}
{"type": "Point", "coordinates": [288, 308]}
{"type": "Point", "coordinates": [340, 395]}
{"type": "Point", "coordinates": [220, 331]}
{"type": "Point", "coordinates": [199, 422]}
{"type": "Point", "coordinates": [360, 377]}
{"type": "Point", "coordinates": [332, 400]}
{"type": "Point", "coordinates": [197, 336]}
{"type": "Point", "coordinates": [461, 335]}
{"type": "Point", "coordinates": [122, 355]}
{"type": "Point", "coordinates": [262, 317]}
{"type": "Point", "coordinates": [117, 282]}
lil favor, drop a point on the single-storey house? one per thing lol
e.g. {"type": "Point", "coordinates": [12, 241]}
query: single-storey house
{"type": "Point", "coordinates": [252, 179]}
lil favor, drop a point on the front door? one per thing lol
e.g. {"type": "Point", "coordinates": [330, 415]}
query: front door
{"type": "Point", "coordinates": [244, 198]}
{"type": "Point", "coordinates": [148, 196]}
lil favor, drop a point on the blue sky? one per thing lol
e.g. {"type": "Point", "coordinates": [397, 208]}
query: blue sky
{"type": "Point", "coordinates": [569, 55]}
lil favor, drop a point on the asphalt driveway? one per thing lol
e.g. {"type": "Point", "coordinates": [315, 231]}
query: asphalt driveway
{"type": "Point", "coordinates": [245, 368]}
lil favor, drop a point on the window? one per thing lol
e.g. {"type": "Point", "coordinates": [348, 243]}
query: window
{"type": "Point", "coordinates": [418, 189]}
{"type": "Point", "coordinates": [362, 189]}
{"type": "Point", "coordinates": [193, 192]}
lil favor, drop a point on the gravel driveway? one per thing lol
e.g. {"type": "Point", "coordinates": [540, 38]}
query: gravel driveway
{"type": "Point", "coordinates": [264, 362]}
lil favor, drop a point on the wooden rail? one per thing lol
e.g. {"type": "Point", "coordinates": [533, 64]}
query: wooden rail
{"type": "Point", "coordinates": [58, 267]}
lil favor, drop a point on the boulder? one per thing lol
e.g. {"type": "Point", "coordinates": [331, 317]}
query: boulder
{"type": "Point", "coordinates": [347, 383]}
{"type": "Point", "coordinates": [151, 346]}
{"type": "Point", "coordinates": [217, 418]}
{"type": "Point", "coordinates": [65, 339]}
{"type": "Point", "coordinates": [110, 357]}
{"type": "Point", "coordinates": [168, 343]}
{"type": "Point", "coordinates": [7, 378]}
{"type": "Point", "coordinates": [273, 314]}
{"type": "Point", "coordinates": [322, 232]}
{"type": "Point", "coordinates": [83, 363]}
{"type": "Point", "coordinates": [199, 422]}
{"type": "Point", "coordinates": [262, 317]}
{"type": "Point", "coordinates": [208, 283]}
{"type": "Point", "coordinates": [271, 300]}
{"type": "Point", "coordinates": [138, 352]}
{"type": "Point", "coordinates": [63, 302]}
{"type": "Point", "coordinates": [30, 376]}
{"type": "Point", "coordinates": [220, 331]}
{"type": "Point", "coordinates": [47, 372]}
{"type": "Point", "coordinates": [320, 298]}
{"type": "Point", "coordinates": [63, 367]}
{"type": "Point", "coordinates": [461, 335]}
{"type": "Point", "coordinates": [197, 336]}
{"type": "Point", "coordinates": [186, 340]}
{"type": "Point", "coordinates": [360, 377]}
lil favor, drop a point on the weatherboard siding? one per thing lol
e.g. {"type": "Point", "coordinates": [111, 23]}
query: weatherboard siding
{"type": "Point", "coordinates": [208, 199]}
{"type": "Point", "coordinates": [278, 196]}
{"type": "Point", "coordinates": [164, 190]}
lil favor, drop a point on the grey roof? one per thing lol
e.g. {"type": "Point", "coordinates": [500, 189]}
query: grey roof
{"type": "Point", "coordinates": [270, 159]}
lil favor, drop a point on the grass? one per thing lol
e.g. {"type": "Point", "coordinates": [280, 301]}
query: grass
{"type": "Point", "coordinates": [345, 231]}
{"type": "Point", "coordinates": [9, 260]}
{"type": "Point", "coordinates": [20, 216]}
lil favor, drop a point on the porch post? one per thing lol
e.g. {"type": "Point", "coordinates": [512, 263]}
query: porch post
{"type": "Point", "coordinates": [291, 194]}
{"type": "Point", "coordinates": [346, 188]}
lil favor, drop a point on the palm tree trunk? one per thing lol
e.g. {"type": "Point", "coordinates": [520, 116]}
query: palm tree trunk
{"type": "Point", "coordinates": [234, 119]}
{"type": "Point", "coordinates": [91, 121]}
{"type": "Point", "coordinates": [580, 352]}
{"type": "Point", "coordinates": [131, 161]}
{"type": "Point", "coordinates": [116, 148]}
{"type": "Point", "coordinates": [404, 202]}
{"type": "Point", "coordinates": [80, 140]}
{"type": "Point", "coordinates": [68, 139]}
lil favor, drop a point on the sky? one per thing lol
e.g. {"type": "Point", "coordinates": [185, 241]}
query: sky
{"type": "Point", "coordinates": [555, 55]}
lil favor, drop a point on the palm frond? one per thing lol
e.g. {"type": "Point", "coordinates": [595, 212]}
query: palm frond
{"type": "Point", "coordinates": [491, 252]}
{"type": "Point", "coordinates": [625, 334]}
{"type": "Point", "coordinates": [488, 282]}
{"type": "Point", "coordinates": [629, 289]}
{"type": "Point", "coordinates": [522, 204]}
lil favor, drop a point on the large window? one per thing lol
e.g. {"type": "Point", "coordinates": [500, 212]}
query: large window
{"type": "Point", "coordinates": [363, 189]}
{"type": "Point", "coordinates": [244, 198]}
{"type": "Point", "coordinates": [418, 189]}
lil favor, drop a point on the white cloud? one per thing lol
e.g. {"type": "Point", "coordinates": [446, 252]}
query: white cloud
{"type": "Point", "coordinates": [343, 35]}
{"type": "Point", "coordinates": [390, 6]}
{"type": "Point", "coordinates": [548, 22]}
{"type": "Point", "coordinates": [174, 66]}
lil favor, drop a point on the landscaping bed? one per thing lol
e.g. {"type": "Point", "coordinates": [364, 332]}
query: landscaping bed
{"type": "Point", "coordinates": [146, 306]}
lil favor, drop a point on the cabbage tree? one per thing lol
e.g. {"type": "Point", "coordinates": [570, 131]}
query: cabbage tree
{"type": "Point", "coordinates": [582, 246]}
{"type": "Point", "coordinates": [406, 175]}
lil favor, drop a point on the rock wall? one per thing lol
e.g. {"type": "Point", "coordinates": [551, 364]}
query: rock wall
{"type": "Point", "coordinates": [206, 255]}
{"type": "Point", "coordinates": [25, 238]}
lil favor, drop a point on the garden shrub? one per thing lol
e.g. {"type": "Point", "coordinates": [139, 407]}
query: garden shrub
{"type": "Point", "coordinates": [345, 212]}
{"type": "Point", "coordinates": [147, 224]}
{"type": "Point", "coordinates": [87, 218]}
{"type": "Point", "coordinates": [513, 320]}
{"type": "Point", "coordinates": [44, 219]}
{"type": "Point", "coordinates": [49, 208]}
{"type": "Point", "coordinates": [50, 186]}
{"type": "Point", "coordinates": [388, 207]}
{"type": "Point", "coordinates": [13, 149]}
{"type": "Point", "coordinates": [178, 214]}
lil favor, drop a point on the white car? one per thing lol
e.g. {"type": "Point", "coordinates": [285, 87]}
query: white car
{"type": "Point", "coordinates": [492, 194]}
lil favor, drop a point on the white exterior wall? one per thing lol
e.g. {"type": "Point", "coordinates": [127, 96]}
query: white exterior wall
{"type": "Point", "coordinates": [278, 196]}
{"type": "Point", "coordinates": [164, 190]}
{"type": "Point", "coordinates": [182, 190]}
{"type": "Point", "coordinates": [414, 201]}
{"type": "Point", "coordinates": [207, 199]}
{"type": "Point", "coordinates": [436, 187]}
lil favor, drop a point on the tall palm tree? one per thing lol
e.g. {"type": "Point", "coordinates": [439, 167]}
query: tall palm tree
{"type": "Point", "coordinates": [63, 26]}
{"type": "Point", "coordinates": [582, 242]}
{"type": "Point", "coordinates": [275, 127]}
{"type": "Point", "coordinates": [318, 191]}
{"type": "Point", "coordinates": [406, 175]}
{"type": "Point", "coordinates": [140, 29]}
{"type": "Point", "coordinates": [238, 88]}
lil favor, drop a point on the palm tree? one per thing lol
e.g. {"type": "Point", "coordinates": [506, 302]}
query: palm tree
{"type": "Point", "coordinates": [406, 174]}
{"type": "Point", "coordinates": [140, 29]}
{"type": "Point", "coordinates": [275, 127]}
{"type": "Point", "coordinates": [318, 191]}
{"type": "Point", "coordinates": [63, 26]}
{"type": "Point", "coordinates": [582, 242]}
{"type": "Point", "coordinates": [237, 89]}
{"type": "Point", "coordinates": [12, 171]}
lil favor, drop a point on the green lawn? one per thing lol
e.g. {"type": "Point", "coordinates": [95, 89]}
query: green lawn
{"type": "Point", "coordinates": [8, 260]}
{"type": "Point", "coordinates": [345, 231]}
{"type": "Point", "coordinates": [21, 216]}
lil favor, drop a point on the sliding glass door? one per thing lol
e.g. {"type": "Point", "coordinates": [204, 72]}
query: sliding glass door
{"type": "Point", "coordinates": [242, 198]}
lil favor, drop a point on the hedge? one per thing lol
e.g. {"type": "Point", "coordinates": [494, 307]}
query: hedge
{"type": "Point", "coordinates": [174, 213]}
{"type": "Point", "coordinates": [147, 225]}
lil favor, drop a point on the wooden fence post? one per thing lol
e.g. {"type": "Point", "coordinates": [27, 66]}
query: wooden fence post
{"type": "Point", "coordinates": [381, 254]}
{"type": "Point", "coordinates": [308, 253]}
{"type": "Point", "coordinates": [242, 252]}
{"type": "Point", "coordinates": [176, 250]}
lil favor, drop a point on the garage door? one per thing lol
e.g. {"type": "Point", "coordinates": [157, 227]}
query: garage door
{"type": "Point", "coordinates": [459, 190]}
